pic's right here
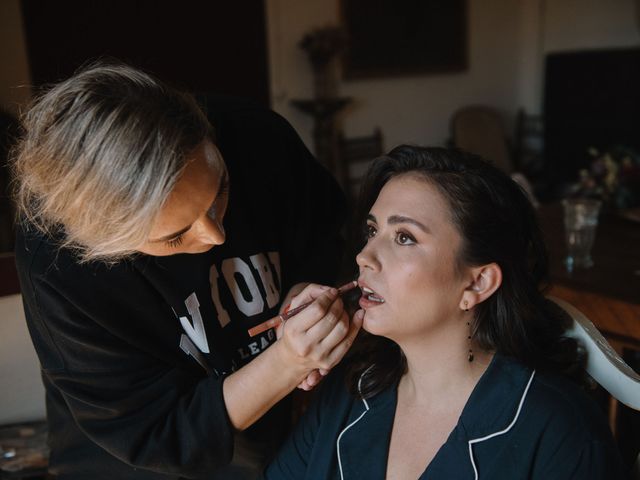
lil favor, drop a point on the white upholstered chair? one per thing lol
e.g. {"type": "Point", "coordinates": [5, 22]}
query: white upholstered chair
{"type": "Point", "coordinates": [604, 364]}
{"type": "Point", "coordinates": [22, 397]}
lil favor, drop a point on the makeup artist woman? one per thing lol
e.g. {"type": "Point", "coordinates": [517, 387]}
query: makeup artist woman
{"type": "Point", "coordinates": [150, 243]}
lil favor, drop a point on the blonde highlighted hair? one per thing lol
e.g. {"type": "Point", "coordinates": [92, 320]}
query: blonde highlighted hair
{"type": "Point", "coordinates": [99, 157]}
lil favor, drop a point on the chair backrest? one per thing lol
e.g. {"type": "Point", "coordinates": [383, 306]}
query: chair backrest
{"type": "Point", "coordinates": [604, 364]}
{"type": "Point", "coordinates": [22, 398]}
{"type": "Point", "coordinates": [479, 130]}
{"type": "Point", "coordinates": [356, 155]}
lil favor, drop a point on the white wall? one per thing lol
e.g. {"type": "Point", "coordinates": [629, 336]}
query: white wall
{"type": "Point", "coordinates": [580, 24]}
{"type": "Point", "coordinates": [408, 109]}
{"type": "Point", "coordinates": [507, 43]}
{"type": "Point", "coordinates": [15, 79]}
{"type": "Point", "coordinates": [565, 25]}
{"type": "Point", "coordinates": [289, 69]}
{"type": "Point", "coordinates": [417, 109]}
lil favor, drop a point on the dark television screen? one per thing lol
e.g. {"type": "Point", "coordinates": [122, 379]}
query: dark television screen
{"type": "Point", "coordinates": [591, 99]}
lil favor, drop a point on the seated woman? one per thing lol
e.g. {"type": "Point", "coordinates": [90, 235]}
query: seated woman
{"type": "Point", "coordinates": [465, 372]}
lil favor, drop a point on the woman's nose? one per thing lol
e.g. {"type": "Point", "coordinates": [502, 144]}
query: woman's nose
{"type": "Point", "coordinates": [211, 231]}
{"type": "Point", "coordinates": [367, 258]}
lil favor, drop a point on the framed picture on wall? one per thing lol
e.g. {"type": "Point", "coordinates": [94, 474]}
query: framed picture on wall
{"type": "Point", "coordinates": [404, 37]}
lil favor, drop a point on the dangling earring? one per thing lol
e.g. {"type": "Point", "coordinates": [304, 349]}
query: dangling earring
{"type": "Point", "coordinates": [470, 354]}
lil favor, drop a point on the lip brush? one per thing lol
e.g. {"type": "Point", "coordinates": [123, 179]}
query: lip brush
{"type": "Point", "coordinates": [287, 314]}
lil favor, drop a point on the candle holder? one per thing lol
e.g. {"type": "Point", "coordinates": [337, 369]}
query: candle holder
{"type": "Point", "coordinates": [323, 46]}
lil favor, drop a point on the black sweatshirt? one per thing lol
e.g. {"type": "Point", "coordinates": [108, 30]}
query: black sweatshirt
{"type": "Point", "coordinates": [134, 355]}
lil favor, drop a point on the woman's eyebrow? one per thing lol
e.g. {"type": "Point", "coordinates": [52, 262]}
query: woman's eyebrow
{"type": "Point", "coordinates": [223, 179]}
{"type": "Point", "coordinates": [396, 219]}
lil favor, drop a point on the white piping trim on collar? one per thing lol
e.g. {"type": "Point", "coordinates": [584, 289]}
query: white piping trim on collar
{"type": "Point", "coordinates": [366, 409]}
{"type": "Point", "coordinates": [501, 432]}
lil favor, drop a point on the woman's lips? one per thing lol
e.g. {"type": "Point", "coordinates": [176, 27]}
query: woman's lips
{"type": "Point", "coordinates": [369, 298]}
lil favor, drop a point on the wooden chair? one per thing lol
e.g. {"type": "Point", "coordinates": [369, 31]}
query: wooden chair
{"type": "Point", "coordinates": [355, 156]}
{"type": "Point", "coordinates": [479, 129]}
{"type": "Point", "coordinates": [604, 364]}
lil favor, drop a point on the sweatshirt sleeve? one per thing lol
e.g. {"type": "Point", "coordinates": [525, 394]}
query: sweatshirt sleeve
{"type": "Point", "coordinates": [141, 408]}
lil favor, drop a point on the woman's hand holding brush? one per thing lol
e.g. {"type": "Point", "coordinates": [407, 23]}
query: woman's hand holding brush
{"type": "Point", "coordinates": [315, 330]}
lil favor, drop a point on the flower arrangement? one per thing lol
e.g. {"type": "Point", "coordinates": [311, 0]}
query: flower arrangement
{"type": "Point", "coordinates": [613, 177]}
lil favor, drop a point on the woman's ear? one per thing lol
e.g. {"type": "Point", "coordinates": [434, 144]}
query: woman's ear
{"type": "Point", "coordinates": [485, 280]}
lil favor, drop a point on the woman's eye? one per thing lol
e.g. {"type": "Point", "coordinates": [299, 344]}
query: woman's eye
{"type": "Point", "coordinates": [175, 242]}
{"type": "Point", "coordinates": [370, 231]}
{"type": "Point", "coordinates": [403, 238]}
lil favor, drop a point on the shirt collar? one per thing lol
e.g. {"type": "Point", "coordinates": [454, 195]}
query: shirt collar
{"type": "Point", "coordinates": [494, 402]}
